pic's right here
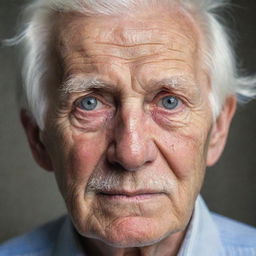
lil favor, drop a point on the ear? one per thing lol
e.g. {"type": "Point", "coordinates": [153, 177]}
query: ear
{"type": "Point", "coordinates": [36, 145]}
{"type": "Point", "coordinates": [220, 131]}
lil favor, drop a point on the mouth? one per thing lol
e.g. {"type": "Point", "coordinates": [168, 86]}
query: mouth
{"type": "Point", "coordinates": [130, 195]}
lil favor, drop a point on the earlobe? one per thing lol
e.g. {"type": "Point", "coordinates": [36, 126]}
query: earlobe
{"type": "Point", "coordinates": [35, 142]}
{"type": "Point", "coordinates": [220, 131]}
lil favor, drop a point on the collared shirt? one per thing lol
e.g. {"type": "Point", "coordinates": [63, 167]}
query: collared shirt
{"type": "Point", "coordinates": [208, 234]}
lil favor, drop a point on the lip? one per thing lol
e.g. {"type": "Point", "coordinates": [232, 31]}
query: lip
{"type": "Point", "coordinates": [130, 195]}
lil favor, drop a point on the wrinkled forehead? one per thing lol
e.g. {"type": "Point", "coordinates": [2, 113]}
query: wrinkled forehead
{"type": "Point", "coordinates": [173, 28]}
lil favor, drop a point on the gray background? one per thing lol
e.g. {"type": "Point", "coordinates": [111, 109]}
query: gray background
{"type": "Point", "coordinates": [28, 195]}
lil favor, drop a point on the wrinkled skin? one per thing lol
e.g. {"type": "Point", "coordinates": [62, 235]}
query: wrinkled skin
{"type": "Point", "coordinates": [156, 155]}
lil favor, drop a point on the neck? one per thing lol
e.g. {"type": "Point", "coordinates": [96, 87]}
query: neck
{"type": "Point", "coordinates": [166, 247]}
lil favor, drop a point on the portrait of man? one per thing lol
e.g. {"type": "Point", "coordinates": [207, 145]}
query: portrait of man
{"type": "Point", "coordinates": [127, 102]}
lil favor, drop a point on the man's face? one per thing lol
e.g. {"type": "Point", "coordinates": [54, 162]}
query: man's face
{"type": "Point", "coordinates": [128, 136]}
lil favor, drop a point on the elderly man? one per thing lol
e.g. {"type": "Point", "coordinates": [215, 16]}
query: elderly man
{"type": "Point", "coordinates": [127, 102]}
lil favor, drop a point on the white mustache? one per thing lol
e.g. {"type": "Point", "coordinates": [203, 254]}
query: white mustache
{"type": "Point", "coordinates": [116, 181]}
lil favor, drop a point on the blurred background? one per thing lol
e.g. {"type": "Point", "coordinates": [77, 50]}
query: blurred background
{"type": "Point", "coordinates": [29, 195]}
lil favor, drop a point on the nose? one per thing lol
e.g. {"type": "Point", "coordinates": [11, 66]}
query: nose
{"type": "Point", "coordinates": [132, 146]}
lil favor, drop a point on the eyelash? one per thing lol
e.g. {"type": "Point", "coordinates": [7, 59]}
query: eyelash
{"type": "Point", "coordinates": [164, 94]}
{"type": "Point", "coordinates": [78, 101]}
{"type": "Point", "coordinates": [155, 100]}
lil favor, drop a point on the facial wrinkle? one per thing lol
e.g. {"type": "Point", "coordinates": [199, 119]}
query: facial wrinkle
{"type": "Point", "coordinates": [131, 46]}
{"type": "Point", "coordinates": [128, 45]}
{"type": "Point", "coordinates": [171, 65]}
{"type": "Point", "coordinates": [138, 61]}
{"type": "Point", "coordinates": [131, 59]}
{"type": "Point", "coordinates": [127, 52]}
{"type": "Point", "coordinates": [132, 36]}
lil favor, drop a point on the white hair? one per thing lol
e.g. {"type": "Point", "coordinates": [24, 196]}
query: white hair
{"type": "Point", "coordinates": [35, 40]}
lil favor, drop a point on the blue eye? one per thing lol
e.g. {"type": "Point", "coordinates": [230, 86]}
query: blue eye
{"type": "Point", "coordinates": [169, 102]}
{"type": "Point", "coordinates": [88, 103]}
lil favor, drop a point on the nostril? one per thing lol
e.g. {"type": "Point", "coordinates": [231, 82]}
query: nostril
{"type": "Point", "coordinates": [115, 166]}
{"type": "Point", "coordinates": [122, 165]}
{"type": "Point", "coordinates": [127, 155]}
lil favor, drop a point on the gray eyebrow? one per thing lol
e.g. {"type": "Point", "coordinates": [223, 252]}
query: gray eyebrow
{"type": "Point", "coordinates": [83, 83]}
{"type": "Point", "coordinates": [80, 84]}
{"type": "Point", "coordinates": [175, 82]}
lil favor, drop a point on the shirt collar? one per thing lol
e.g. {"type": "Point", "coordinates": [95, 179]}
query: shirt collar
{"type": "Point", "coordinates": [202, 237]}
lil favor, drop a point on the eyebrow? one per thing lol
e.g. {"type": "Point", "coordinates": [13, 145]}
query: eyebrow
{"type": "Point", "coordinates": [76, 84]}
{"type": "Point", "coordinates": [175, 82]}
{"type": "Point", "coordinates": [80, 84]}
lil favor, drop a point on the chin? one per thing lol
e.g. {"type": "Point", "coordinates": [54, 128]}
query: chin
{"type": "Point", "coordinates": [134, 232]}
{"type": "Point", "coordinates": [130, 243]}
{"type": "Point", "coordinates": [134, 241]}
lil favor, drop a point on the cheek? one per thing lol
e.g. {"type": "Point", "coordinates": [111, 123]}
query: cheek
{"type": "Point", "coordinates": [85, 155]}
{"type": "Point", "coordinates": [77, 158]}
{"type": "Point", "coordinates": [184, 152]}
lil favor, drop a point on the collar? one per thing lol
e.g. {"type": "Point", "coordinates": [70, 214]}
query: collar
{"type": "Point", "coordinates": [202, 237]}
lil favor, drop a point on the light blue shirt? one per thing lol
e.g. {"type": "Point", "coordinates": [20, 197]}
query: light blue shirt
{"type": "Point", "coordinates": [208, 234]}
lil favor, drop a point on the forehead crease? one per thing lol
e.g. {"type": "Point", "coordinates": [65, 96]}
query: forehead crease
{"type": "Point", "coordinates": [128, 41]}
{"type": "Point", "coordinates": [125, 38]}
{"type": "Point", "coordinates": [132, 37]}
{"type": "Point", "coordinates": [127, 51]}
{"type": "Point", "coordinates": [92, 44]}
